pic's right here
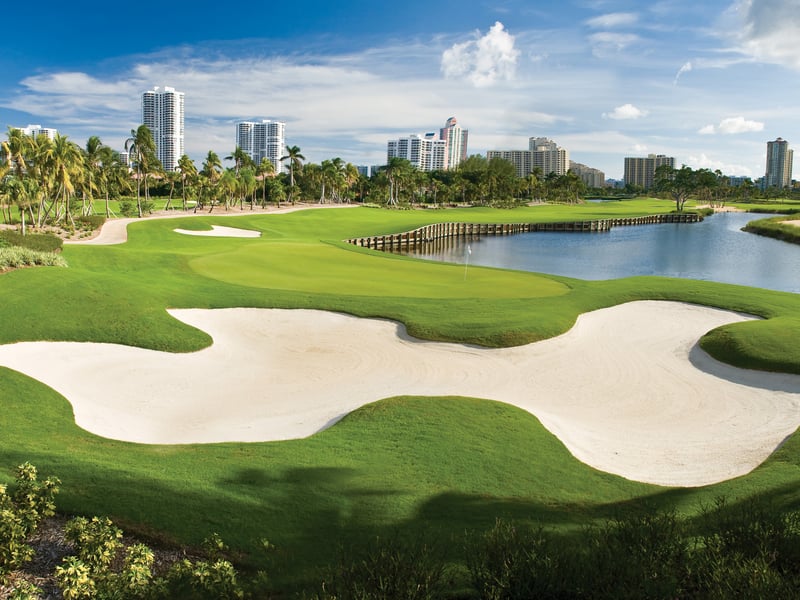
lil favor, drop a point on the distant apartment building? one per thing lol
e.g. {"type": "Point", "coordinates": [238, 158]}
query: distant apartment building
{"type": "Point", "coordinates": [548, 157]}
{"type": "Point", "coordinates": [779, 164]}
{"type": "Point", "coordinates": [542, 153]}
{"type": "Point", "coordinates": [641, 172]}
{"type": "Point", "coordinates": [521, 159]}
{"type": "Point", "coordinates": [593, 178]}
{"type": "Point", "coordinates": [262, 139]}
{"type": "Point", "coordinates": [163, 112]}
{"type": "Point", "coordinates": [36, 130]}
{"type": "Point", "coordinates": [425, 152]}
{"type": "Point", "coordinates": [432, 152]}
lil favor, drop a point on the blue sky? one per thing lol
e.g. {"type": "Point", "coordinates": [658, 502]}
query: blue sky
{"type": "Point", "coordinates": [709, 82]}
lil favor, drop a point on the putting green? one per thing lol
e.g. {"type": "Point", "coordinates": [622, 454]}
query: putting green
{"type": "Point", "coordinates": [323, 268]}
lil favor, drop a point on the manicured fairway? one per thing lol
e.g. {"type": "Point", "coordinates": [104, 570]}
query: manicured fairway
{"type": "Point", "coordinates": [421, 465]}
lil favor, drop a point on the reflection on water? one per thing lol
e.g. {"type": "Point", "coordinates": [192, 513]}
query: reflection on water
{"type": "Point", "coordinates": [714, 250]}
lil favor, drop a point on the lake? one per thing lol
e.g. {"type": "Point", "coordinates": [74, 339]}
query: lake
{"type": "Point", "coordinates": [714, 250]}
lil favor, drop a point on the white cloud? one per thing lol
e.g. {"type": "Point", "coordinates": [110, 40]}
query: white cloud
{"type": "Point", "coordinates": [704, 162]}
{"type": "Point", "coordinates": [483, 61]}
{"type": "Point", "coordinates": [685, 68]}
{"type": "Point", "coordinates": [732, 125]}
{"type": "Point", "coordinates": [626, 112]}
{"type": "Point", "coordinates": [606, 43]}
{"type": "Point", "coordinates": [611, 20]}
{"type": "Point", "coordinates": [768, 31]}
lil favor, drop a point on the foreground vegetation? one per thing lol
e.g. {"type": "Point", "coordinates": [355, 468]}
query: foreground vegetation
{"type": "Point", "coordinates": [430, 468]}
{"type": "Point", "coordinates": [745, 550]}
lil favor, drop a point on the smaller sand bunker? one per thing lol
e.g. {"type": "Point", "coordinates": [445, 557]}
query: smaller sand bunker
{"type": "Point", "coordinates": [222, 231]}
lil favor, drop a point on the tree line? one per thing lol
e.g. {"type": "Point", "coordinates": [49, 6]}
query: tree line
{"type": "Point", "coordinates": [47, 181]}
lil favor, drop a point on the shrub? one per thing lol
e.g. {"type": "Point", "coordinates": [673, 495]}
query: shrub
{"type": "Point", "coordinates": [511, 561]}
{"type": "Point", "coordinates": [386, 569]}
{"type": "Point", "coordinates": [42, 242]}
{"type": "Point", "coordinates": [20, 514]}
{"type": "Point", "coordinates": [90, 222]}
{"type": "Point", "coordinates": [16, 257]}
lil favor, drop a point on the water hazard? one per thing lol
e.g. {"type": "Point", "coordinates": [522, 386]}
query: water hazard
{"type": "Point", "coordinates": [714, 250]}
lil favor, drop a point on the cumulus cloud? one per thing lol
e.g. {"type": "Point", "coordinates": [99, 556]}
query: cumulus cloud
{"type": "Point", "coordinates": [768, 31]}
{"type": "Point", "coordinates": [626, 112]}
{"type": "Point", "coordinates": [483, 61]}
{"type": "Point", "coordinates": [611, 20]}
{"type": "Point", "coordinates": [732, 125]}
{"type": "Point", "coordinates": [705, 162]}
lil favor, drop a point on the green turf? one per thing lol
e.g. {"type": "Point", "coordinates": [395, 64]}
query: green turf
{"type": "Point", "coordinates": [436, 466]}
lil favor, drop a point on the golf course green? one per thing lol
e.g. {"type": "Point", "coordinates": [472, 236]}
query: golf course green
{"type": "Point", "coordinates": [425, 466]}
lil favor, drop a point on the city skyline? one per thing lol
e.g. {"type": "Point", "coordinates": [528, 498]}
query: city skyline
{"type": "Point", "coordinates": [606, 78]}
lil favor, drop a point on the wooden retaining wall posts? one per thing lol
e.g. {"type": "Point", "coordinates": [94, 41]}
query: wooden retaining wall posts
{"type": "Point", "coordinates": [413, 239]}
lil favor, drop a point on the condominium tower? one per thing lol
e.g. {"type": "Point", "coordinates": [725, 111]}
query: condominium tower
{"type": "Point", "coordinates": [542, 153]}
{"type": "Point", "coordinates": [548, 157]}
{"type": "Point", "coordinates": [455, 139]}
{"type": "Point", "coordinates": [162, 112]}
{"type": "Point", "coordinates": [431, 152]}
{"type": "Point", "coordinates": [262, 139]}
{"type": "Point", "coordinates": [779, 164]}
{"type": "Point", "coordinates": [641, 171]}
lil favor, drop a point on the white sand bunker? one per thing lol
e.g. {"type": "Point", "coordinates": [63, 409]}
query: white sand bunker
{"type": "Point", "coordinates": [221, 231]}
{"type": "Point", "coordinates": [627, 390]}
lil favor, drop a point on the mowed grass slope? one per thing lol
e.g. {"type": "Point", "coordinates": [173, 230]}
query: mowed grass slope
{"type": "Point", "coordinates": [422, 465]}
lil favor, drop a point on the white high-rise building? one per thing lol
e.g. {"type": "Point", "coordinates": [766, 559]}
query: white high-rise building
{"type": "Point", "coordinates": [35, 130]}
{"type": "Point", "coordinates": [548, 156]}
{"type": "Point", "coordinates": [456, 140]}
{"type": "Point", "coordinates": [262, 139]}
{"type": "Point", "coordinates": [162, 112]}
{"type": "Point", "coordinates": [425, 152]}
{"type": "Point", "coordinates": [429, 152]}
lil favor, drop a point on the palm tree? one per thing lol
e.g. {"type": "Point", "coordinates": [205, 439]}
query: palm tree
{"type": "Point", "coordinates": [211, 172]}
{"type": "Point", "coordinates": [265, 170]}
{"type": "Point", "coordinates": [111, 173]}
{"type": "Point", "coordinates": [91, 172]}
{"type": "Point", "coordinates": [295, 159]}
{"type": "Point", "coordinates": [241, 159]}
{"type": "Point", "coordinates": [397, 170]}
{"type": "Point", "coordinates": [66, 166]}
{"type": "Point", "coordinates": [142, 148]}
{"type": "Point", "coordinates": [188, 175]}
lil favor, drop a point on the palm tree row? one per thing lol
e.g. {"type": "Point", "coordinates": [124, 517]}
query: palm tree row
{"type": "Point", "coordinates": [51, 181]}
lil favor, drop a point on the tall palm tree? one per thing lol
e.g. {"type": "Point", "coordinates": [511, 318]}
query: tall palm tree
{"type": "Point", "coordinates": [188, 175]}
{"type": "Point", "coordinates": [397, 170]}
{"type": "Point", "coordinates": [295, 159]}
{"type": "Point", "coordinates": [67, 163]}
{"type": "Point", "coordinates": [211, 173]}
{"type": "Point", "coordinates": [90, 182]}
{"type": "Point", "coordinates": [111, 172]}
{"type": "Point", "coordinates": [240, 159]}
{"type": "Point", "coordinates": [264, 171]}
{"type": "Point", "coordinates": [142, 148]}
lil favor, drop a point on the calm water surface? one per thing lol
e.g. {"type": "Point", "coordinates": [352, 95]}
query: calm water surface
{"type": "Point", "coordinates": [714, 250]}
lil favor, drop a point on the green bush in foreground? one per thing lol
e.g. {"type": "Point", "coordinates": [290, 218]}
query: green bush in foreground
{"type": "Point", "coordinates": [42, 242]}
{"type": "Point", "coordinates": [17, 257]}
{"type": "Point", "coordinates": [20, 513]}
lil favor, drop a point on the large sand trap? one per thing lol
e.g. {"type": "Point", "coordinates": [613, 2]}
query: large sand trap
{"type": "Point", "coordinates": [627, 390]}
{"type": "Point", "coordinates": [221, 231]}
